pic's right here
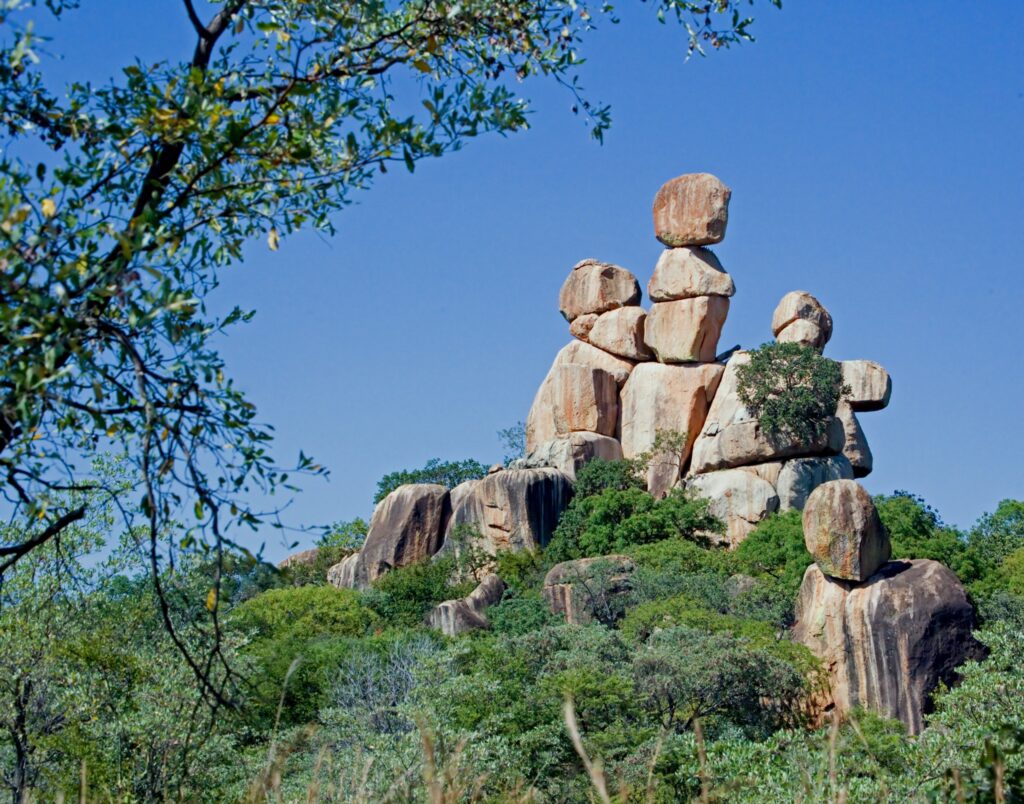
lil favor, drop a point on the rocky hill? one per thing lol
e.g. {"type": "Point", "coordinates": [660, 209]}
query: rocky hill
{"type": "Point", "coordinates": [651, 385]}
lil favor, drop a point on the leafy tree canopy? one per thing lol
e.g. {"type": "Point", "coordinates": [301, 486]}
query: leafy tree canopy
{"type": "Point", "coordinates": [791, 389]}
{"type": "Point", "coordinates": [448, 473]}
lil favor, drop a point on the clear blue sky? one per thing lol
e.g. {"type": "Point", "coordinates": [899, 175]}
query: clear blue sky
{"type": "Point", "coordinates": [875, 154]}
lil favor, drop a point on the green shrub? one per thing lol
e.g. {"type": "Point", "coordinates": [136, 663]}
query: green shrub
{"type": "Point", "coordinates": [791, 389]}
{"type": "Point", "coordinates": [598, 475]}
{"type": "Point", "coordinates": [520, 569]}
{"type": "Point", "coordinates": [776, 549]}
{"type": "Point", "coordinates": [403, 596]}
{"type": "Point", "coordinates": [515, 616]}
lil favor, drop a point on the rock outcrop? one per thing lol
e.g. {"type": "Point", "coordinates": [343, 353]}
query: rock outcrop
{"type": "Point", "coordinates": [669, 380]}
{"type": "Point", "coordinates": [691, 210]}
{"type": "Point", "coordinates": [453, 617]}
{"type": "Point", "coordinates": [843, 532]}
{"type": "Point", "coordinates": [584, 590]}
{"type": "Point", "coordinates": [406, 527]}
{"type": "Point", "coordinates": [887, 642]}
{"type": "Point", "coordinates": [516, 509]}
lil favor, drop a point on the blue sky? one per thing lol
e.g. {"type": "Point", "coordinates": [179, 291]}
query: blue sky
{"type": "Point", "coordinates": [874, 153]}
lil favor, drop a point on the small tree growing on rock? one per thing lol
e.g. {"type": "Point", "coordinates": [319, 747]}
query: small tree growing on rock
{"type": "Point", "coordinates": [791, 389]}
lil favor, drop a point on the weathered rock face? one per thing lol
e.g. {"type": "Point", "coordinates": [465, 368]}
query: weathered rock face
{"type": "Point", "coordinates": [665, 398]}
{"type": "Point", "coordinates": [453, 617]}
{"type": "Point", "coordinates": [843, 532]}
{"type": "Point", "coordinates": [406, 527]}
{"type": "Point", "coordinates": [731, 437]}
{"type": "Point", "coordinates": [540, 423]}
{"type": "Point", "coordinates": [584, 398]}
{"type": "Point", "coordinates": [621, 332]}
{"type": "Point", "coordinates": [570, 453]}
{"type": "Point", "coordinates": [888, 642]}
{"type": "Point", "coordinates": [870, 385]}
{"type": "Point", "coordinates": [800, 476]}
{"type": "Point", "coordinates": [687, 330]}
{"type": "Point", "coordinates": [688, 272]}
{"type": "Point", "coordinates": [740, 499]}
{"type": "Point", "coordinates": [799, 305]}
{"type": "Point", "coordinates": [581, 326]}
{"type": "Point", "coordinates": [582, 590]}
{"type": "Point", "coordinates": [596, 287]}
{"type": "Point", "coordinates": [855, 446]}
{"type": "Point", "coordinates": [691, 210]}
{"type": "Point", "coordinates": [517, 509]}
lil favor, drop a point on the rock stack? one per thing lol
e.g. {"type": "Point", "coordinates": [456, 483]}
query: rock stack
{"type": "Point", "coordinates": [887, 632]}
{"type": "Point", "coordinates": [630, 374]}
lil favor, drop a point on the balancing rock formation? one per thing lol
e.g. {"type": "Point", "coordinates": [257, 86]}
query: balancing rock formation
{"type": "Point", "coordinates": [887, 632]}
{"type": "Point", "coordinates": [630, 374]}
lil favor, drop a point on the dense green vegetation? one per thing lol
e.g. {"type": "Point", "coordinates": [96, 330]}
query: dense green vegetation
{"type": "Point", "coordinates": [686, 683]}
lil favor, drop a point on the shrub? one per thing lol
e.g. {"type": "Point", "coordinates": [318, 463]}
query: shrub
{"type": "Point", "coordinates": [404, 595]}
{"type": "Point", "coordinates": [516, 616]}
{"type": "Point", "coordinates": [1000, 533]}
{"type": "Point", "coordinates": [775, 548]}
{"type": "Point", "coordinates": [791, 389]}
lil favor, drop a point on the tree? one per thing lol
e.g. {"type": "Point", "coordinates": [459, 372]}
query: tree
{"type": "Point", "coordinates": [791, 389]}
{"type": "Point", "coordinates": [449, 473]}
{"type": "Point", "coordinates": [1000, 533]}
{"type": "Point", "coordinates": [151, 183]}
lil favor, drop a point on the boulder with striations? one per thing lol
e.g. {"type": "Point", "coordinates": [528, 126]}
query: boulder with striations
{"type": "Point", "coordinates": [798, 477]}
{"type": "Point", "coordinates": [855, 444]}
{"type": "Point", "coordinates": [516, 509]}
{"type": "Point", "coordinates": [571, 452]}
{"type": "Point", "coordinates": [740, 499]}
{"type": "Point", "coordinates": [407, 526]}
{"type": "Point", "coordinates": [621, 332]}
{"type": "Point", "coordinates": [869, 385]}
{"type": "Point", "coordinates": [801, 318]}
{"type": "Point", "coordinates": [584, 398]}
{"type": "Point", "coordinates": [889, 641]}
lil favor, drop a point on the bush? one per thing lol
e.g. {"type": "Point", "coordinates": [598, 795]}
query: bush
{"type": "Point", "coordinates": [598, 475]}
{"type": "Point", "coordinates": [1000, 533]}
{"type": "Point", "coordinates": [448, 474]}
{"type": "Point", "coordinates": [404, 595]}
{"type": "Point", "coordinates": [310, 625]}
{"type": "Point", "coordinates": [776, 549]}
{"type": "Point", "coordinates": [516, 616]}
{"type": "Point", "coordinates": [614, 519]}
{"type": "Point", "coordinates": [791, 389]}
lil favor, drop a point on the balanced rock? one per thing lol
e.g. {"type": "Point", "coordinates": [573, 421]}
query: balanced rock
{"type": "Point", "coordinates": [596, 287]}
{"type": "Point", "coordinates": [540, 423]}
{"type": "Point", "coordinates": [740, 499]}
{"type": "Point", "coordinates": [584, 398]}
{"type": "Point", "coordinates": [732, 437]}
{"type": "Point", "coordinates": [584, 590]}
{"type": "Point", "coordinates": [621, 332]}
{"type": "Point", "coordinates": [406, 527]}
{"type": "Point", "coordinates": [869, 384]}
{"type": "Point", "coordinates": [888, 643]}
{"type": "Point", "coordinates": [799, 305]}
{"type": "Point", "coordinates": [691, 210]}
{"type": "Point", "coordinates": [660, 398]}
{"type": "Point", "coordinates": [843, 532]}
{"type": "Point", "coordinates": [581, 326]}
{"type": "Point", "coordinates": [806, 333]}
{"type": "Point", "coordinates": [453, 617]}
{"type": "Point", "coordinates": [855, 446]}
{"type": "Point", "coordinates": [800, 476]}
{"type": "Point", "coordinates": [517, 509]}
{"type": "Point", "coordinates": [571, 453]}
{"type": "Point", "coordinates": [688, 272]}
{"type": "Point", "coordinates": [687, 330]}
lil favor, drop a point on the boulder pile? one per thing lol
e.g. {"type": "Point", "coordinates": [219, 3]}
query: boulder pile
{"type": "Point", "coordinates": [630, 374]}
{"type": "Point", "coordinates": [887, 632]}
